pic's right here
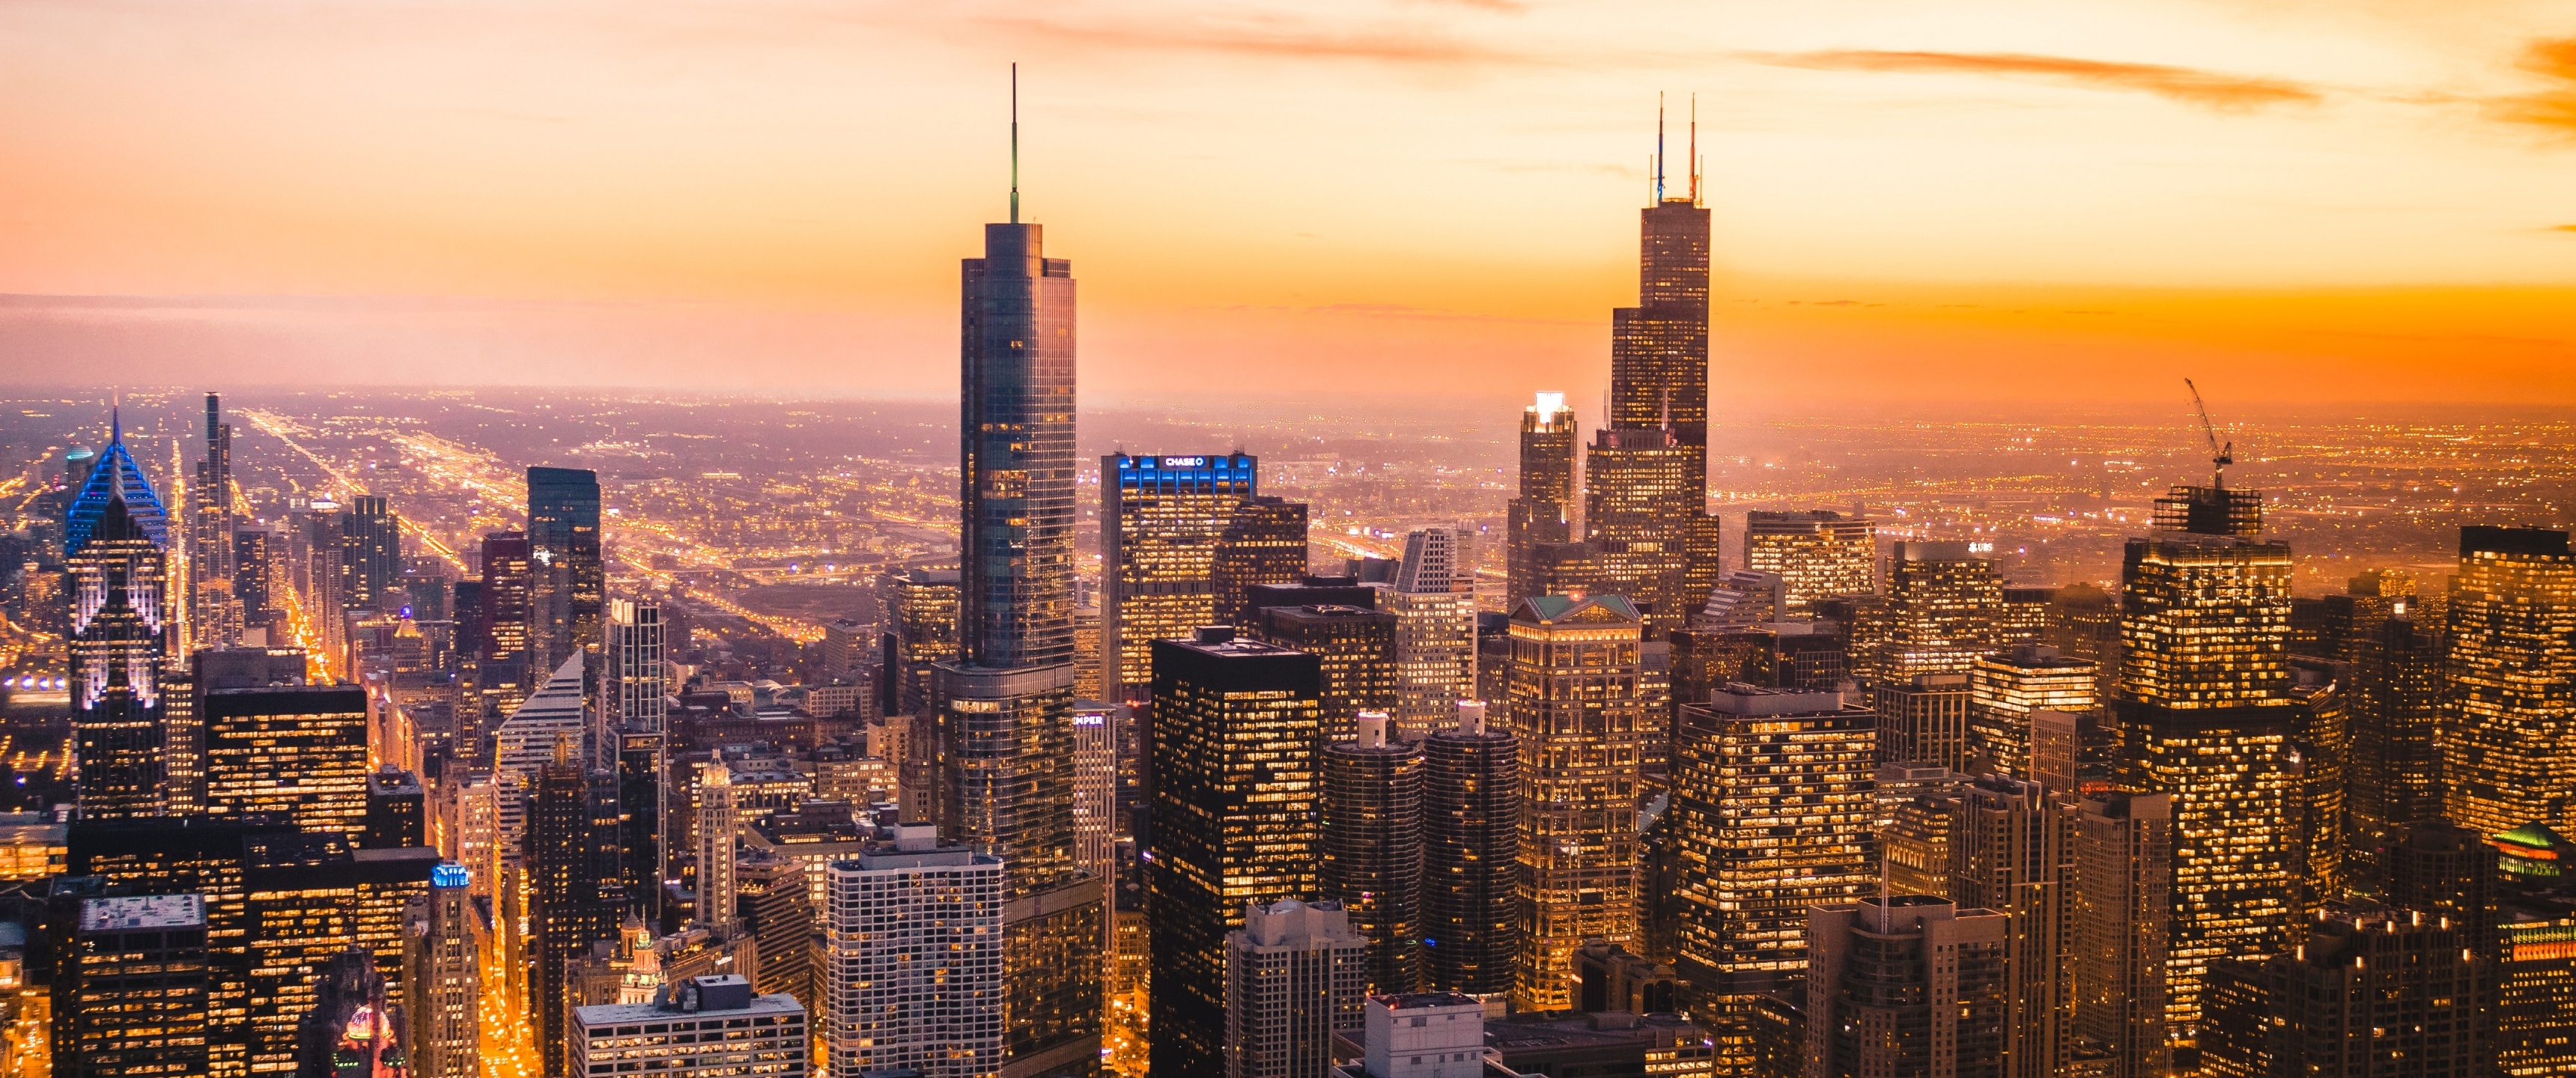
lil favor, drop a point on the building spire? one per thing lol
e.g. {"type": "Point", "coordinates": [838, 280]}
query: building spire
{"type": "Point", "coordinates": [1015, 142]}
{"type": "Point", "coordinates": [116, 417]}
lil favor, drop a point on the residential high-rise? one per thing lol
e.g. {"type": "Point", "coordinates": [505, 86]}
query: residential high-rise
{"type": "Point", "coordinates": [1434, 603]}
{"type": "Point", "coordinates": [2513, 728]}
{"type": "Point", "coordinates": [570, 581]}
{"type": "Point", "coordinates": [1943, 606]}
{"type": "Point", "coordinates": [442, 977]}
{"type": "Point", "coordinates": [1162, 520]}
{"type": "Point", "coordinates": [1909, 984]}
{"type": "Point", "coordinates": [1575, 710]}
{"type": "Point", "coordinates": [1265, 543]}
{"type": "Point", "coordinates": [634, 739]}
{"type": "Point", "coordinates": [1772, 791]}
{"type": "Point", "coordinates": [2394, 994]}
{"type": "Point", "coordinates": [1544, 511]}
{"type": "Point", "coordinates": [2394, 774]}
{"type": "Point", "coordinates": [2006, 687]}
{"type": "Point", "coordinates": [2446, 872]}
{"type": "Point", "coordinates": [1356, 648]}
{"type": "Point", "coordinates": [1924, 719]}
{"type": "Point", "coordinates": [298, 751]}
{"type": "Point", "coordinates": [1233, 820]}
{"type": "Point", "coordinates": [2119, 924]}
{"type": "Point", "coordinates": [1817, 554]}
{"type": "Point", "coordinates": [1096, 753]}
{"type": "Point", "coordinates": [2206, 713]}
{"type": "Point", "coordinates": [2320, 744]}
{"type": "Point", "coordinates": [116, 547]}
{"type": "Point", "coordinates": [547, 722]}
{"type": "Point", "coordinates": [130, 989]}
{"type": "Point", "coordinates": [2008, 855]}
{"type": "Point", "coordinates": [371, 554]}
{"type": "Point", "coordinates": [1471, 795]}
{"type": "Point", "coordinates": [1371, 852]}
{"type": "Point", "coordinates": [1295, 974]}
{"type": "Point", "coordinates": [912, 973]}
{"type": "Point", "coordinates": [710, 1027]}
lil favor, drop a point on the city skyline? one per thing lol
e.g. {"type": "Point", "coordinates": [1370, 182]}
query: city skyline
{"type": "Point", "coordinates": [1889, 194]}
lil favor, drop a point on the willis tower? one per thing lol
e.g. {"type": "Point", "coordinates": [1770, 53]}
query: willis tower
{"type": "Point", "coordinates": [1006, 704]}
{"type": "Point", "coordinates": [1647, 496]}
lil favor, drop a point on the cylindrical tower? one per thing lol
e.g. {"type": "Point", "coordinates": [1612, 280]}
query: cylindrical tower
{"type": "Point", "coordinates": [1471, 845]}
{"type": "Point", "coordinates": [1372, 846]}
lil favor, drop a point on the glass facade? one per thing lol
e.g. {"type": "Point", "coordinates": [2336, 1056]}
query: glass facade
{"type": "Point", "coordinates": [1817, 554]}
{"type": "Point", "coordinates": [1015, 590]}
{"type": "Point", "coordinates": [299, 752]}
{"type": "Point", "coordinates": [1162, 521]}
{"type": "Point", "coordinates": [2513, 662]}
{"type": "Point", "coordinates": [1574, 706]}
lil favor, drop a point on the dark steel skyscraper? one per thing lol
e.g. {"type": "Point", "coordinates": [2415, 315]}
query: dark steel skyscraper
{"type": "Point", "coordinates": [1545, 509]}
{"type": "Point", "coordinates": [570, 584]}
{"type": "Point", "coordinates": [371, 553]}
{"type": "Point", "coordinates": [1016, 576]}
{"type": "Point", "coordinates": [116, 551]}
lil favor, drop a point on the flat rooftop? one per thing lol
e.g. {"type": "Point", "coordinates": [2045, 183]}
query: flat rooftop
{"type": "Point", "coordinates": [143, 911]}
{"type": "Point", "coordinates": [616, 1014]}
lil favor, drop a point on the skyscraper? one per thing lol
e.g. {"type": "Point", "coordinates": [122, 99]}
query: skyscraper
{"type": "Point", "coordinates": [505, 668]}
{"type": "Point", "coordinates": [1470, 856]}
{"type": "Point", "coordinates": [130, 993]}
{"type": "Point", "coordinates": [633, 700]}
{"type": "Point", "coordinates": [1371, 851]}
{"type": "Point", "coordinates": [1162, 520]}
{"type": "Point", "coordinates": [2513, 731]}
{"type": "Point", "coordinates": [2206, 713]}
{"type": "Point", "coordinates": [1265, 543]}
{"type": "Point", "coordinates": [912, 969]}
{"type": "Point", "coordinates": [718, 825]}
{"type": "Point", "coordinates": [1356, 648]}
{"type": "Point", "coordinates": [370, 554]}
{"type": "Point", "coordinates": [1646, 496]}
{"type": "Point", "coordinates": [2007, 687]}
{"type": "Point", "coordinates": [1941, 613]}
{"type": "Point", "coordinates": [297, 751]}
{"type": "Point", "coordinates": [1544, 511]}
{"type": "Point", "coordinates": [1434, 603]}
{"type": "Point", "coordinates": [569, 583]}
{"type": "Point", "coordinates": [777, 906]}
{"type": "Point", "coordinates": [1817, 554]}
{"type": "Point", "coordinates": [1774, 799]}
{"type": "Point", "coordinates": [442, 978]}
{"type": "Point", "coordinates": [1234, 792]}
{"type": "Point", "coordinates": [921, 633]}
{"type": "Point", "coordinates": [548, 720]}
{"type": "Point", "coordinates": [1924, 719]}
{"type": "Point", "coordinates": [1006, 704]}
{"type": "Point", "coordinates": [2395, 994]}
{"type": "Point", "coordinates": [116, 545]}
{"type": "Point", "coordinates": [353, 1015]}
{"type": "Point", "coordinates": [1575, 710]}
{"type": "Point", "coordinates": [1908, 984]}
{"type": "Point", "coordinates": [2122, 916]}
{"type": "Point", "coordinates": [1295, 974]}
{"type": "Point", "coordinates": [2008, 854]}
{"type": "Point", "coordinates": [565, 913]}
{"type": "Point", "coordinates": [2394, 775]}
{"type": "Point", "coordinates": [213, 555]}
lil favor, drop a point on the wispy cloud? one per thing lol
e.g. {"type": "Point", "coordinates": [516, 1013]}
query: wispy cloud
{"type": "Point", "coordinates": [1275, 38]}
{"type": "Point", "coordinates": [2555, 107]}
{"type": "Point", "coordinates": [2192, 86]}
{"type": "Point", "coordinates": [2562, 228]}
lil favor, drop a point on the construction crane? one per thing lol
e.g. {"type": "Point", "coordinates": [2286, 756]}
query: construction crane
{"type": "Point", "coordinates": [2220, 456]}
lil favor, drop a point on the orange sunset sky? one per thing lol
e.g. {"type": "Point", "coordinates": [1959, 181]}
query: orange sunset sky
{"type": "Point", "coordinates": [1915, 201]}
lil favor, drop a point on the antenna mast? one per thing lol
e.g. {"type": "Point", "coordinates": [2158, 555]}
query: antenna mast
{"type": "Point", "coordinates": [1659, 149]}
{"type": "Point", "coordinates": [1694, 149]}
{"type": "Point", "coordinates": [2220, 456]}
{"type": "Point", "coordinates": [1015, 142]}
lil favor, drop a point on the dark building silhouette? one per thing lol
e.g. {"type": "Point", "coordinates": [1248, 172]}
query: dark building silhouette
{"type": "Point", "coordinates": [353, 1029]}
{"type": "Point", "coordinates": [2398, 994]}
{"type": "Point", "coordinates": [569, 583]}
{"type": "Point", "coordinates": [396, 811]}
{"type": "Point", "coordinates": [1265, 543]}
{"type": "Point", "coordinates": [371, 562]}
{"type": "Point", "coordinates": [130, 989]}
{"type": "Point", "coordinates": [564, 911]}
{"type": "Point", "coordinates": [1372, 848]}
{"type": "Point", "coordinates": [1234, 803]}
{"type": "Point", "coordinates": [2449, 872]}
{"type": "Point", "coordinates": [1356, 648]}
{"type": "Point", "coordinates": [2394, 774]}
{"type": "Point", "coordinates": [1906, 985]}
{"type": "Point", "coordinates": [1471, 794]}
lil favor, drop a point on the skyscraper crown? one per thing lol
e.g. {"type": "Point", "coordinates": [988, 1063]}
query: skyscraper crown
{"type": "Point", "coordinates": [116, 478]}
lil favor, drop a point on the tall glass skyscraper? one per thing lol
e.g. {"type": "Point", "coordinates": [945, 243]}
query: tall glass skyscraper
{"type": "Point", "coordinates": [1162, 520]}
{"type": "Point", "coordinates": [2513, 614]}
{"type": "Point", "coordinates": [1545, 509]}
{"type": "Point", "coordinates": [570, 585]}
{"type": "Point", "coordinates": [1005, 706]}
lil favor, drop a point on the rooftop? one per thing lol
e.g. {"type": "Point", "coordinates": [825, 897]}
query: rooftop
{"type": "Point", "coordinates": [143, 911]}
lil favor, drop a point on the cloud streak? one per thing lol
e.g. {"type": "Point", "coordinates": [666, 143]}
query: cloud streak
{"type": "Point", "coordinates": [2191, 86]}
{"type": "Point", "coordinates": [2554, 108]}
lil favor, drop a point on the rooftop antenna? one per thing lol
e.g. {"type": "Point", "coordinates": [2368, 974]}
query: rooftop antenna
{"type": "Point", "coordinates": [1694, 149]}
{"type": "Point", "coordinates": [1015, 142]}
{"type": "Point", "coordinates": [2220, 456]}
{"type": "Point", "coordinates": [1659, 148]}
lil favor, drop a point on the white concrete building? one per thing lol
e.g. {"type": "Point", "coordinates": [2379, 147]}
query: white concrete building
{"type": "Point", "coordinates": [912, 965]}
{"type": "Point", "coordinates": [709, 1027]}
{"type": "Point", "coordinates": [1294, 973]}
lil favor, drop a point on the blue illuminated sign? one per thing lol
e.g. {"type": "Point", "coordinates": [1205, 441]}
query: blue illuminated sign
{"type": "Point", "coordinates": [450, 876]}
